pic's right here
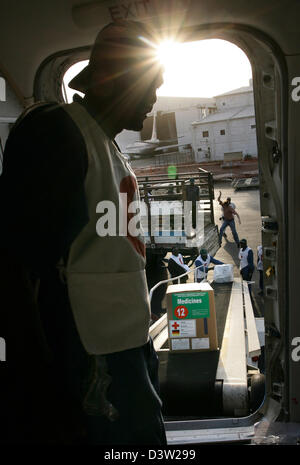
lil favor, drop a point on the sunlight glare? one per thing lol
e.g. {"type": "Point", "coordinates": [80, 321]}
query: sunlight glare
{"type": "Point", "coordinates": [203, 68]}
{"type": "Point", "coordinates": [166, 52]}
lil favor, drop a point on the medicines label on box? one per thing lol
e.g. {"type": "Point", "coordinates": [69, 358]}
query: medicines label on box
{"type": "Point", "coordinates": [180, 344]}
{"type": "Point", "coordinates": [182, 328]}
{"type": "Point", "coordinates": [190, 305]}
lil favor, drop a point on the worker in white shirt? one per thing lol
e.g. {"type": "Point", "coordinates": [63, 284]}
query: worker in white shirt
{"type": "Point", "coordinates": [203, 261]}
{"type": "Point", "coordinates": [176, 265]}
{"type": "Point", "coordinates": [246, 262]}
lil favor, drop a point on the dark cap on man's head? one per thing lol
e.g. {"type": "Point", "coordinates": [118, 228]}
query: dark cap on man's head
{"type": "Point", "coordinates": [120, 41]}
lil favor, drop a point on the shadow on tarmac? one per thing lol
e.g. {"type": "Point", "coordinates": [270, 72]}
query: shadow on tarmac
{"type": "Point", "coordinates": [231, 249]}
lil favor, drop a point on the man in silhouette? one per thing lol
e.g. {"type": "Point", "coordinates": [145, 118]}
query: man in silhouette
{"type": "Point", "coordinates": [92, 374]}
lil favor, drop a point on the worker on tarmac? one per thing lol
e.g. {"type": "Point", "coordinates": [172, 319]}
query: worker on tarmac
{"type": "Point", "coordinates": [228, 214]}
{"type": "Point", "coordinates": [232, 205]}
{"type": "Point", "coordinates": [203, 261]}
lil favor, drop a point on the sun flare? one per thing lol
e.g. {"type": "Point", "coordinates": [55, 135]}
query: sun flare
{"type": "Point", "coordinates": [203, 68]}
{"type": "Point", "coordinates": [166, 51]}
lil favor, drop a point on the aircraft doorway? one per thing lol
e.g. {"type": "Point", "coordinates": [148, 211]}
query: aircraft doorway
{"type": "Point", "coordinates": [265, 195]}
{"type": "Point", "coordinates": [214, 130]}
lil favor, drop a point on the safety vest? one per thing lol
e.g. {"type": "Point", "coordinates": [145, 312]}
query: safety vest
{"type": "Point", "coordinates": [106, 275]}
{"type": "Point", "coordinates": [179, 260]}
{"type": "Point", "coordinates": [244, 257]}
{"type": "Point", "coordinates": [199, 273]}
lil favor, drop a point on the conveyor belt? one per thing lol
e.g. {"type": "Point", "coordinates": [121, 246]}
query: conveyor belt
{"type": "Point", "coordinates": [188, 381]}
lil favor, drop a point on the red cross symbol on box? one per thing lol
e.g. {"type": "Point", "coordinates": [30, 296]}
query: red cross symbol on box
{"type": "Point", "coordinates": [175, 325]}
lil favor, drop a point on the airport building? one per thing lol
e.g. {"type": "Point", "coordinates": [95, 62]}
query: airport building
{"type": "Point", "coordinates": [230, 132]}
{"type": "Point", "coordinates": [218, 128]}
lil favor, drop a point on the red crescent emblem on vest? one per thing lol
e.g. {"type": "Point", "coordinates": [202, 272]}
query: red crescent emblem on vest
{"type": "Point", "coordinates": [128, 186]}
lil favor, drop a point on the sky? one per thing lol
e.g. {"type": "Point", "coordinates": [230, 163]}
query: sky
{"type": "Point", "coordinates": [203, 68]}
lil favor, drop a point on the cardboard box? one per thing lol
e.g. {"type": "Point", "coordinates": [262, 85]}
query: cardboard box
{"type": "Point", "coordinates": [191, 314]}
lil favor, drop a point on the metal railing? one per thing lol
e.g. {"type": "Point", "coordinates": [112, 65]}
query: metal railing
{"type": "Point", "coordinates": [161, 187]}
{"type": "Point", "coordinates": [173, 279]}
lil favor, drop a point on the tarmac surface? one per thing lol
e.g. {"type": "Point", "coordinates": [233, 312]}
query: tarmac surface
{"type": "Point", "coordinates": [247, 205]}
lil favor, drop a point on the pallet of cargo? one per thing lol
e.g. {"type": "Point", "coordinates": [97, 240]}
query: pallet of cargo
{"type": "Point", "coordinates": [245, 183]}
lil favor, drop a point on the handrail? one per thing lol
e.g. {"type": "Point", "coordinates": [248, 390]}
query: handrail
{"type": "Point", "coordinates": [162, 184]}
{"type": "Point", "coordinates": [187, 173]}
{"type": "Point", "coordinates": [171, 279]}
